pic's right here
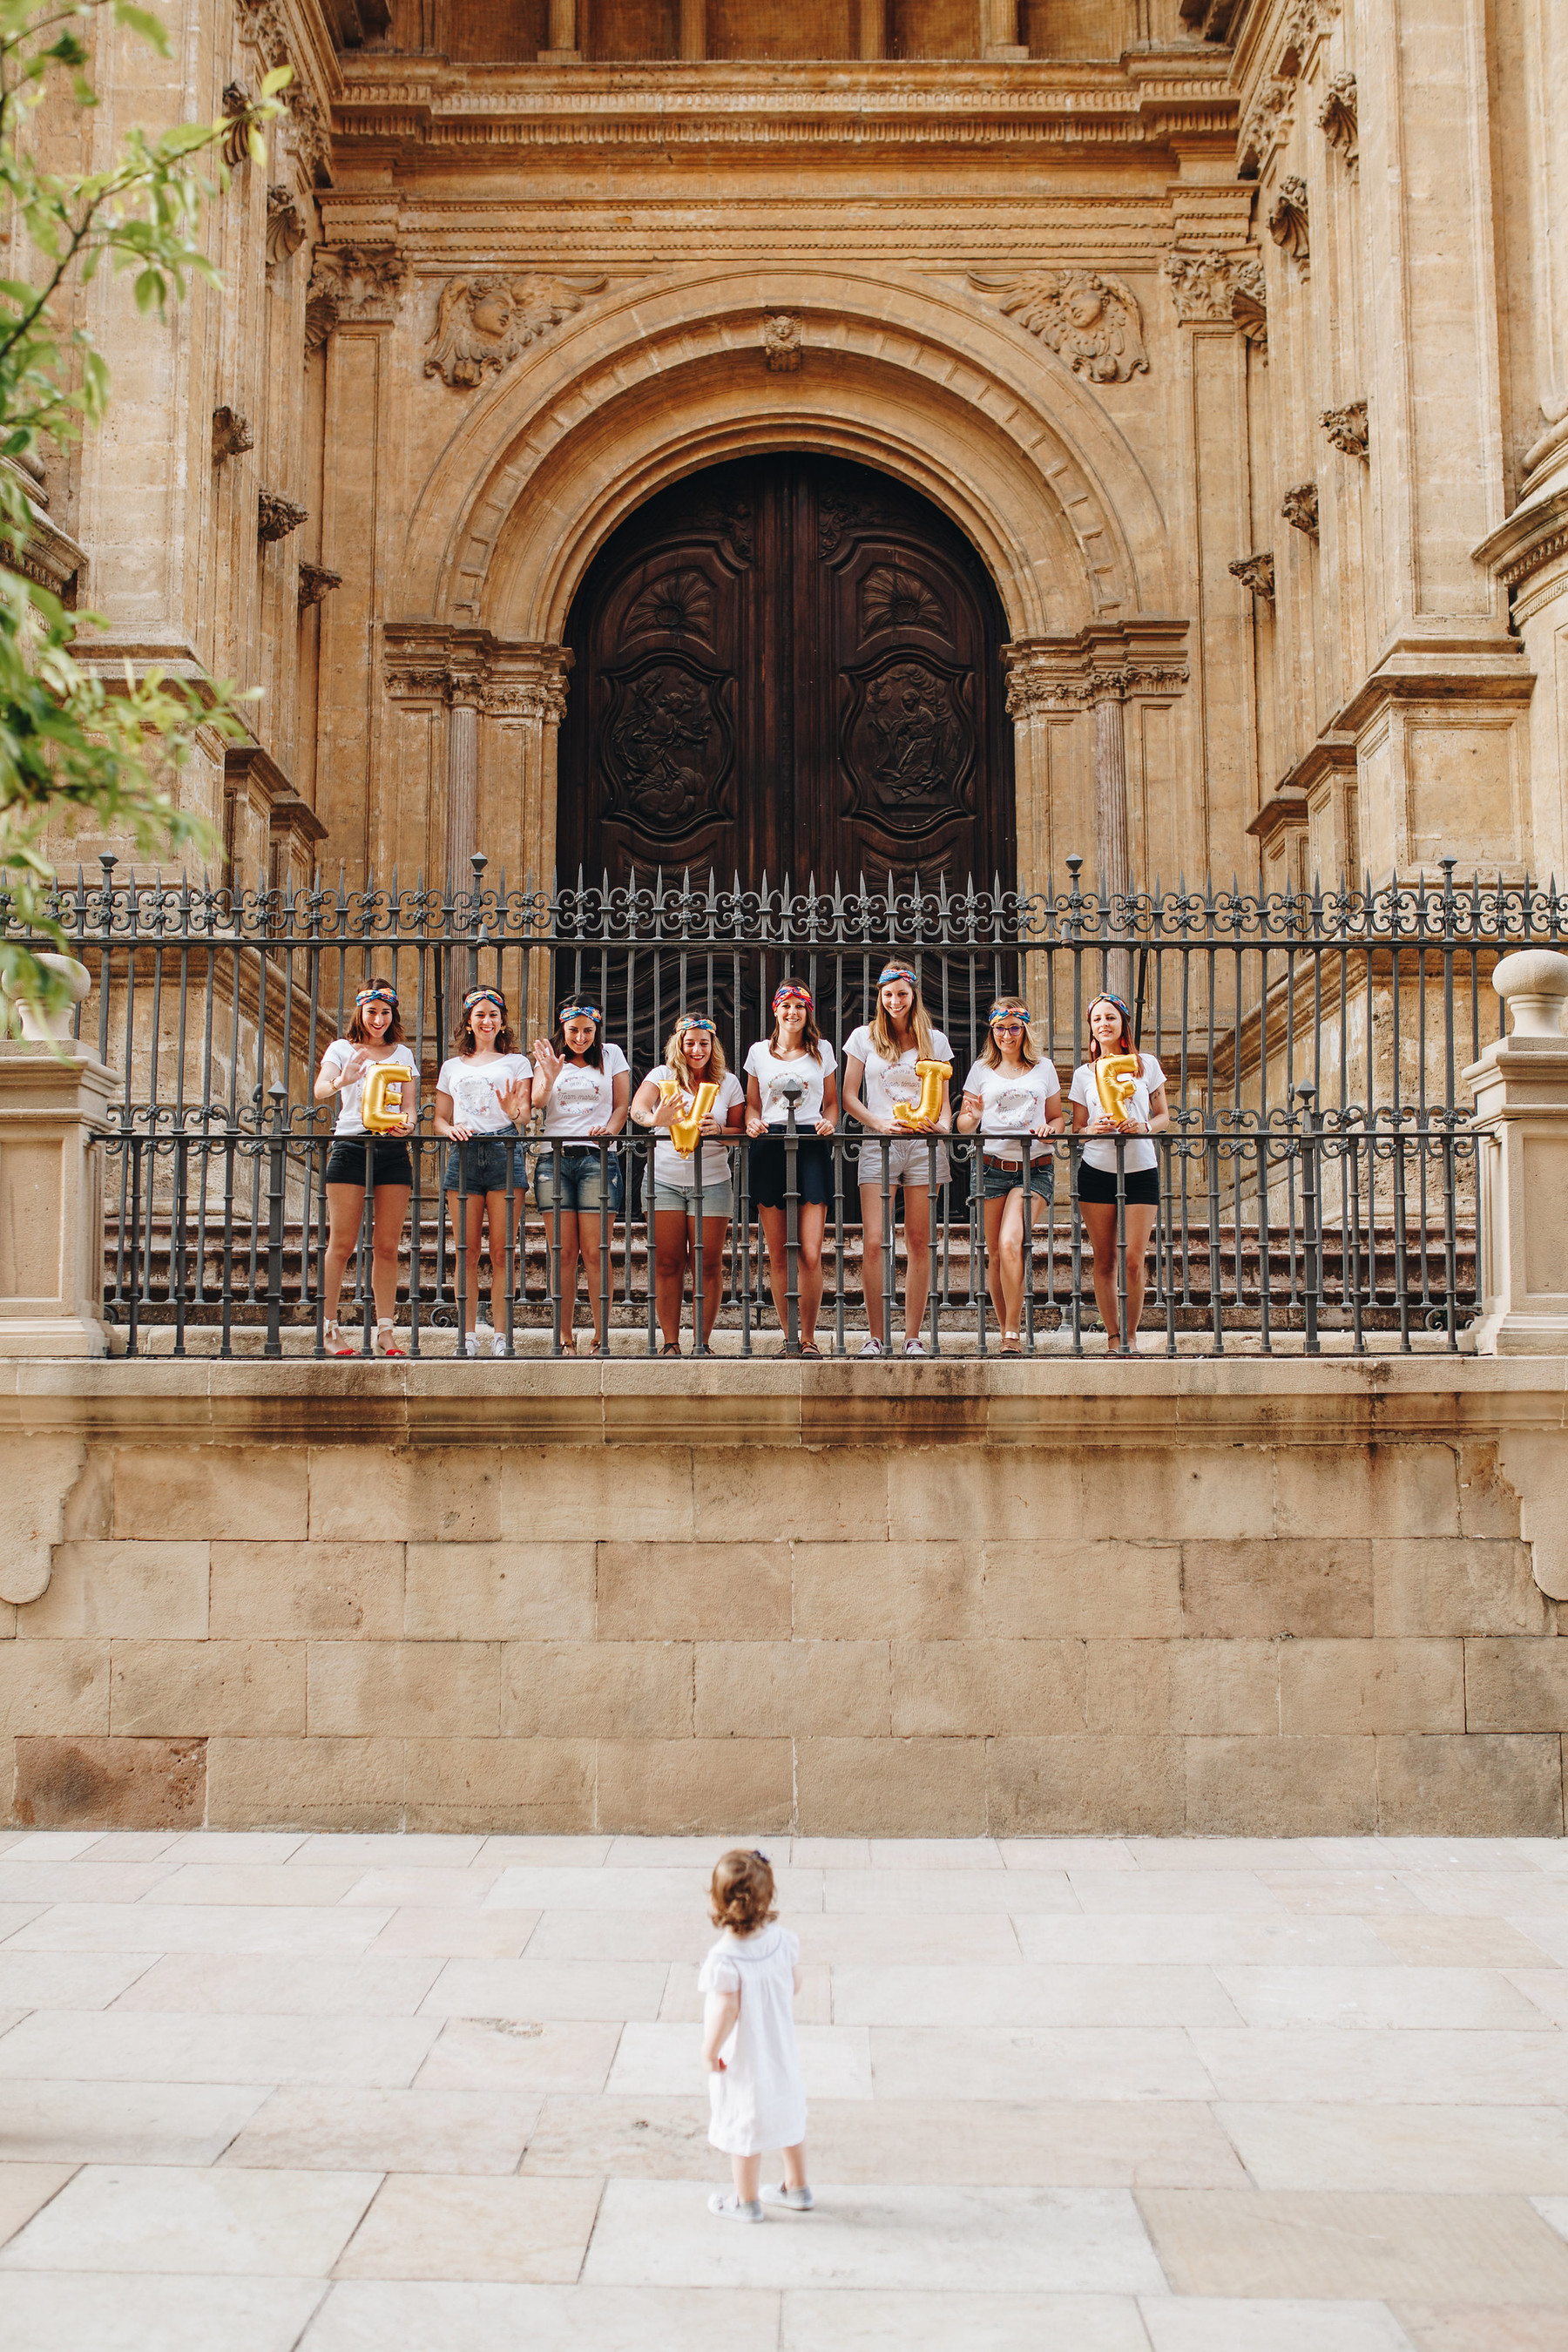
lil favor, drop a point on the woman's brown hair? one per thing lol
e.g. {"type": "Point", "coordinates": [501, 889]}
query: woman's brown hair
{"type": "Point", "coordinates": [742, 1896]}
{"type": "Point", "coordinates": [358, 1034]}
{"type": "Point", "coordinates": [810, 1036]}
{"type": "Point", "coordinates": [595, 1057]}
{"type": "Point", "coordinates": [464, 1040]}
{"type": "Point", "coordinates": [991, 1053]}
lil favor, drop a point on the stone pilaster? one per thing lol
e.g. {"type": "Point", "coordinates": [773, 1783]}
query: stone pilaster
{"type": "Point", "coordinates": [53, 1103]}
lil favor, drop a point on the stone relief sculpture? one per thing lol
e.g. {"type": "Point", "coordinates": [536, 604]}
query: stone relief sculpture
{"type": "Point", "coordinates": [1256, 572]}
{"type": "Point", "coordinates": [483, 321]}
{"type": "Point", "coordinates": [784, 344]}
{"type": "Point", "coordinates": [360, 283]}
{"type": "Point", "coordinates": [1222, 286]}
{"type": "Point", "coordinates": [1300, 507]}
{"type": "Point", "coordinates": [1288, 224]}
{"type": "Point", "coordinates": [1337, 121]}
{"type": "Point", "coordinates": [1091, 321]}
{"type": "Point", "coordinates": [1347, 429]}
{"type": "Point", "coordinates": [284, 226]}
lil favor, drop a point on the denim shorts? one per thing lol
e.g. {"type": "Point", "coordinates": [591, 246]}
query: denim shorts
{"type": "Point", "coordinates": [680, 1199]}
{"type": "Point", "coordinates": [908, 1162]}
{"type": "Point", "coordinates": [1005, 1176]}
{"type": "Point", "coordinates": [580, 1187]}
{"type": "Point", "coordinates": [482, 1163]}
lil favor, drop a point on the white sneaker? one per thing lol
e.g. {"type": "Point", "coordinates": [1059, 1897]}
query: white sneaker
{"type": "Point", "coordinates": [728, 2208]}
{"type": "Point", "coordinates": [914, 1347]}
{"type": "Point", "coordinates": [471, 1344]}
{"type": "Point", "coordinates": [498, 1343]}
{"type": "Point", "coordinates": [799, 2200]}
{"type": "Point", "coordinates": [872, 1347]}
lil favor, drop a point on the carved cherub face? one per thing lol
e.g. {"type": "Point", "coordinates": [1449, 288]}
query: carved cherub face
{"type": "Point", "coordinates": [491, 313]}
{"type": "Point", "coordinates": [1085, 306]}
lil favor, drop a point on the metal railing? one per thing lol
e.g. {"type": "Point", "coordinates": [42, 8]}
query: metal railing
{"type": "Point", "coordinates": [1317, 1185]}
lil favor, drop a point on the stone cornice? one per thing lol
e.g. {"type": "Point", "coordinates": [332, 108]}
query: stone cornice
{"type": "Point", "coordinates": [1533, 541]}
{"type": "Point", "coordinates": [400, 106]}
{"type": "Point", "coordinates": [1107, 663]}
{"type": "Point", "coordinates": [430, 661]}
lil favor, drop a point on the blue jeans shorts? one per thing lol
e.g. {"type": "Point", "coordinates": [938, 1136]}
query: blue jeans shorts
{"type": "Point", "coordinates": [1005, 1176]}
{"type": "Point", "coordinates": [482, 1163]}
{"type": "Point", "coordinates": [580, 1182]}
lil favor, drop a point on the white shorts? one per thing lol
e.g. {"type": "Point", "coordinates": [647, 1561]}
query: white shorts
{"type": "Point", "coordinates": [909, 1160]}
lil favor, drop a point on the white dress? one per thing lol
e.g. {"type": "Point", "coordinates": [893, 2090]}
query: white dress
{"type": "Point", "coordinates": [759, 2101]}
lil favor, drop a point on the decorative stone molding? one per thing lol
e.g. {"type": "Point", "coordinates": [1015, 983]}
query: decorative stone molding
{"type": "Point", "coordinates": [1529, 555]}
{"type": "Point", "coordinates": [232, 435]}
{"type": "Point", "coordinates": [315, 582]}
{"type": "Point", "coordinates": [358, 285]}
{"type": "Point", "coordinates": [1300, 507]}
{"type": "Point", "coordinates": [1221, 288]}
{"type": "Point", "coordinates": [1270, 118]}
{"type": "Point", "coordinates": [482, 322]}
{"type": "Point", "coordinates": [284, 226]}
{"type": "Point", "coordinates": [1061, 676]}
{"type": "Point", "coordinates": [471, 669]}
{"type": "Point", "coordinates": [1288, 224]}
{"type": "Point", "coordinates": [1091, 321]}
{"type": "Point", "coordinates": [1256, 572]}
{"type": "Point", "coordinates": [1347, 429]}
{"type": "Point", "coordinates": [236, 101]}
{"type": "Point", "coordinates": [784, 344]}
{"type": "Point", "coordinates": [277, 516]}
{"type": "Point", "coordinates": [305, 127]}
{"type": "Point", "coordinates": [1337, 120]}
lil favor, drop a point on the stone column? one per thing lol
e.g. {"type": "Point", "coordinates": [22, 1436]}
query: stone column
{"type": "Point", "coordinates": [462, 780]}
{"type": "Point", "coordinates": [873, 28]}
{"type": "Point", "coordinates": [1111, 840]}
{"type": "Point", "coordinates": [53, 1103]}
{"type": "Point", "coordinates": [563, 49]}
{"type": "Point", "coordinates": [693, 30]}
{"type": "Point", "coordinates": [999, 42]}
{"type": "Point", "coordinates": [1520, 1090]}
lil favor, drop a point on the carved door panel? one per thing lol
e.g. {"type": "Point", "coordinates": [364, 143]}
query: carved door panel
{"type": "Point", "coordinates": [786, 664]}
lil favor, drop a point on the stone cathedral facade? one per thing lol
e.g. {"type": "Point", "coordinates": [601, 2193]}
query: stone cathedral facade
{"type": "Point", "coordinates": [860, 434]}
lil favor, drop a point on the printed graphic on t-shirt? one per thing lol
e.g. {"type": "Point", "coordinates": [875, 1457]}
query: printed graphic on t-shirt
{"type": "Point", "coordinates": [1013, 1106]}
{"type": "Point", "coordinates": [902, 1082]}
{"type": "Point", "coordinates": [775, 1103]}
{"type": "Point", "coordinates": [473, 1097]}
{"type": "Point", "coordinates": [577, 1086]}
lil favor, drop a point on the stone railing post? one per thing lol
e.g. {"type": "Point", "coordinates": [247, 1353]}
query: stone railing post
{"type": "Point", "coordinates": [1520, 1090]}
{"type": "Point", "coordinates": [54, 1102]}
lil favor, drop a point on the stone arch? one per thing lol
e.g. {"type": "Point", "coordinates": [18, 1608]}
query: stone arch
{"type": "Point", "coordinates": [925, 382]}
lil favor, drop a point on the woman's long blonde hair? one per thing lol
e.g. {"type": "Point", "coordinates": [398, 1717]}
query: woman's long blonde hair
{"type": "Point", "coordinates": [991, 1053]}
{"type": "Point", "coordinates": [675, 1060]}
{"type": "Point", "coordinates": [880, 1027]}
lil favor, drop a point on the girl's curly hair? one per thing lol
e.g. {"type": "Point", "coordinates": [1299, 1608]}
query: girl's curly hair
{"type": "Point", "coordinates": [743, 1892]}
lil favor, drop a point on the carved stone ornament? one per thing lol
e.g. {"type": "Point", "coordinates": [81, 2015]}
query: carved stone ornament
{"type": "Point", "coordinates": [236, 101]}
{"type": "Point", "coordinates": [1337, 118]}
{"type": "Point", "coordinates": [276, 517]}
{"type": "Point", "coordinates": [285, 226]}
{"type": "Point", "coordinates": [315, 582]}
{"type": "Point", "coordinates": [304, 126]}
{"type": "Point", "coordinates": [1270, 118]}
{"type": "Point", "coordinates": [1299, 507]}
{"type": "Point", "coordinates": [1256, 572]}
{"type": "Point", "coordinates": [1030, 690]}
{"type": "Point", "coordinates": [784, 344]}
{"type": "Point", "coordinates": [1224, 289]}
{"type": "Point", "coordinates": [357, 284]}
{"type": "Point", "coordinates": [1091, 321]}
{"type": "Point", "coordinates": [1347, 429]}
{"type": "Point", "coordinates": [1288, 224]}
{"type": "Point", "coordinates": [482, 322]}
{"type": "Point", "coordinates": [231, 434]}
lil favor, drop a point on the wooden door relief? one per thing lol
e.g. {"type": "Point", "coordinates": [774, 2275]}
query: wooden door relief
{"type": "Point", "coordinates": [790, 663]}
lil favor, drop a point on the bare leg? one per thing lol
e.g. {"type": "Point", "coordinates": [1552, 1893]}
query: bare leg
{"type": "Point", "coordinates": [568, 1275]}
{"type": "Point", "coordinates": [495, 1215]}
{"type": "Point", "coordinates": [467, 1223]}
{"type": "Point", "coordinates": [669, 1254]}
{"type": "Point", "coordinates": [917, 1242]}
{"type": "Point", "coordinates": [391, 1215]}
{"type": "Point", "coordinates": [1099, 1216]}
{"type": "Point", "coordinates": [871, 1255]}
{"type": "Point", "coordinates": [345, 1209]}
{"type": "Point", "coordinates": [813, 1220]}
{"type": "Point", "coordinates": [993, 1210]}
{"type": "Point", "coordinates": [713, 1231]}
{"type": "Point", "coordinates": [748, 2171]}
{"type": "Point", "coordinates": [1141, 1220]}
{"type": "Point", "coordinates": [794, 2166]}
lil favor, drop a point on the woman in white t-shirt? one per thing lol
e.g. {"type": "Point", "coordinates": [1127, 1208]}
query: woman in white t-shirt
{"type": "Point", "coordinates": [1014, 1097]}
{"type": "Point", "coordinates": [693, 1058]}
{"type": "Point", "coordinates": [879, 1071]}
{"type": "Point", "coordinates": [583, 1087]}
{"type": "Point", "coordinates": [793, 1055]}
{"type": "Point", "coordinates": [374, 1035]}
{"type": "Point", "coordinates": [1109, 1026]}
{"type": "Point", "coordinates": [482, 1089]}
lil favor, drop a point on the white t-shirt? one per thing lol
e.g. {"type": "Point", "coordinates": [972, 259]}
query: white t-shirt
{"type": "Point", "coordinates": [473, 1091]}
{"type": "Point", "coordinates": [764, 1065]}
{"type": "Point", "coordinates": [671, 1166]}
{"type": "Point", "coordinates": [583, 1097]}
{"type": "Point", "coordinates": [351, 1102]}
{"type": "Point", "coordinates": [886, 1082]}
{"type": "Point", "coordinates": [1101, 1152]}
{"type": "Point", "coordinates": [1012, 1101]}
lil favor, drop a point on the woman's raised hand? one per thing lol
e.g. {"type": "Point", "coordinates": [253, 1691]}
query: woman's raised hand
{"type": "Point", "coordinates": [551, 1064]}
{"type": "Point", "coordinates": [356, 1066]}
{"type": "Point", "coordinates": [516, 1100]}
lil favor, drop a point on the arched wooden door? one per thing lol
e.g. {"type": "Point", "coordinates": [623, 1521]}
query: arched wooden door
{"type": "Point", "coordinates": [790, 663]}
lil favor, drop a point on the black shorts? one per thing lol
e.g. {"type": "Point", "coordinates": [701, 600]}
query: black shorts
{"type": "Point", "coordinates": [345, 1162]}
{"type": "Point", "coordinates": [768, 1176]}
{"type": "Point", "coordinates": [1140, 1186]}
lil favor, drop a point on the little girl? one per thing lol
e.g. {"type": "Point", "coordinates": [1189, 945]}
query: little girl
{"type": "Point", "coordinates": [755, 2093]}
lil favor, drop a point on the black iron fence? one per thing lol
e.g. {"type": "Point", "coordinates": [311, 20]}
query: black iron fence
{"type": "Point", "coordinates": [1318, 1178]}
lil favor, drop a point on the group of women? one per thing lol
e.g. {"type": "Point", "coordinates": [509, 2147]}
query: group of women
{"type": "Point", "coordinates": [487, 1091]}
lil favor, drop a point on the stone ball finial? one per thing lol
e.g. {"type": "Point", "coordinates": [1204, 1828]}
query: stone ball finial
{"type": "Point", "coordinates": [1533, 984]}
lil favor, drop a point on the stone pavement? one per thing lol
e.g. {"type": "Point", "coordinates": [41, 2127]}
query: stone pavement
{"type": "Point", "coordinates": [357, 2094]}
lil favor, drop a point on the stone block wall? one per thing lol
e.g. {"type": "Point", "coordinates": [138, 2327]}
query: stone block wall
{"type": "Point", "coordinates": [1256, 1599]}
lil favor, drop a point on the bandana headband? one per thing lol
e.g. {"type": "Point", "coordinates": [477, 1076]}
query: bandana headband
{"type": "Point", "coordinates": [697, 1021]}
{"type": "Point", "coordinates": [381, 992]}
{"type": "Point", "coordinates": [483, 997]}
{"type": "Point", "coordinates": [579, 1013]}
{"type": "Point", "coordinates": [898, 972]}
{"type": "Point", "coordinates": [1007, 1013]}
{"type": "Point", "coordinates": [790, 992]}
